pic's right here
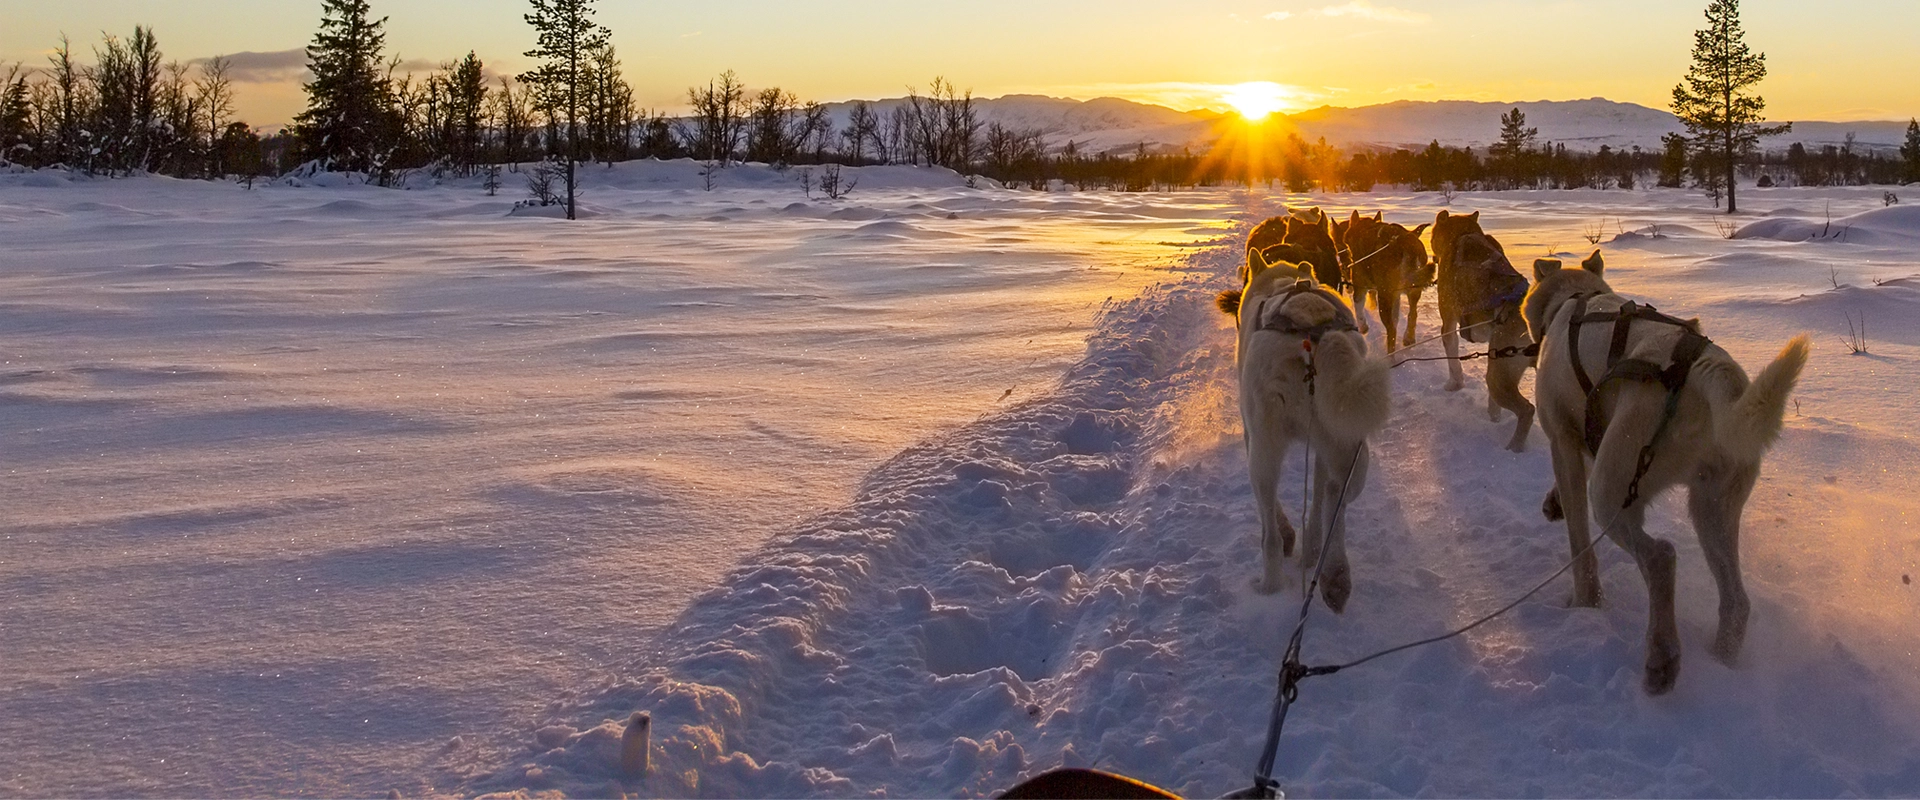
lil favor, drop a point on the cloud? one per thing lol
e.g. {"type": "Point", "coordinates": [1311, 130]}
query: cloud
{"type": "Point", "coordinates": [1363, 9]}
{"type": "Point", "coordinates": [275, 67]}
{"type": "Point", "coordinates": [290, 66]}
{"type": "Point", "coordinates": [1279, 15]}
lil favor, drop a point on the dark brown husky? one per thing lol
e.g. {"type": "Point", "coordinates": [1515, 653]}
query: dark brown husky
{"type": "Point", "coordinates": [1480, 294]}
{"type": "Point", "coordinates": [1387, 261]}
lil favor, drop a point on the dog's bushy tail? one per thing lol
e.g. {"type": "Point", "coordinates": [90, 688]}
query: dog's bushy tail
{"type": "Point", "coordinates": [1228, 302]}
{"type": "Point", "coordinates": [1353, 392]}
{"type": "Point", "coordinates": [1747, 424]}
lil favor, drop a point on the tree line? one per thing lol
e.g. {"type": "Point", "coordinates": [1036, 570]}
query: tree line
{"type": "Point", "coordinates": [131, 110]}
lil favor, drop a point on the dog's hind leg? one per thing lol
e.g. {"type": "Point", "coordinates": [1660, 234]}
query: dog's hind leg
{"type": "Point", "coordinates": [1337, 485]}
{"type": "Point", "coordinates": [1266, 453]}
{"type": "Point", "coordinates": [1388, 297]}
{"type": "Point", "coordinates": [1503, 391]}
{"type": "Point", "coordinates": [1450, 339]}
{"type": "Point", "coordinates": [1631, 426]}
{"type": "Point", "coordinates": [1570, 496]}
{"type": "Point", "coordinates": [1413, 316]}
{"type": "Point", "coordinates": [1359, 286]}
{"type": "Point", "coordinates": [1715, 498]}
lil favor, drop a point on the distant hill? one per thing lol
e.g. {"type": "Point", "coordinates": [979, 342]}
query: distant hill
{"type": "Point", "coordinates": [1112, 124]}
{"type": "Point", "coordinates": [1106, 123]}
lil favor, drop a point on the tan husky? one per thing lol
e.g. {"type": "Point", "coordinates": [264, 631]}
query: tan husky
{"type": "Point", "coordinates": [1305, 374]}
{"type": "Point", "coordinates": [1634, 403]}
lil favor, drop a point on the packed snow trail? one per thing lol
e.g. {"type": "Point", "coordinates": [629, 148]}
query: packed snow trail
{"type": "Point", "coordinates": [308, 490]}
{"type": "Point", "coordinates": [1067, 584]}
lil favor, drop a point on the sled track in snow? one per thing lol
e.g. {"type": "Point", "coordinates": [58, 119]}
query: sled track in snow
{"type": "Point", "coordinates": [1065, 583]}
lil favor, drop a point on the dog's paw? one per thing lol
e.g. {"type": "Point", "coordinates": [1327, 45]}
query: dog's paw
{"type": "Point", "coordinates": [1580, 599]}
{"type": "Point", "coordinates": [1455, 384]}
{"type": "Point", "coordinates": [1663, 668]}
{"type": "Point", "coordinates": [1727, 643]}
{"type": "Point", "coordinates": [1551, 508]}
{"type": "Point", "coordinates": [1519, 445]}
{"type": "Point", "coordinates": [1265, 585]}
{"type": "Point", "coordinates": [1335, 588]}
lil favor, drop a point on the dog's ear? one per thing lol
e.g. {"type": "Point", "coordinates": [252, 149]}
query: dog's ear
{"type": "Point", "coordinates": [1256, 262]}
{"type": "Point", "coordinates": [1376, 216]}
{"type": "Point", "coordinates": [1594, 263]}
{"type": "Point", "coordinates": [1542, 267]}
{"type": "Point", "coordinates": [1355, 216]}
{"type": "Point", "coordinates": [1443, 216]}
{"type": "Point", "coordinates": [1474, 217]}
{"type": "Point", "coordinates": [1422, 229]}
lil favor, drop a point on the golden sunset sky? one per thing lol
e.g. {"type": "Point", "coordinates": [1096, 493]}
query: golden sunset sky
{"type": "Point", "coordinates": [1835, 60]}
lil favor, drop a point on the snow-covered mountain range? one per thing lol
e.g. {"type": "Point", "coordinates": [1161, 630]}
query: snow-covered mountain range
{"type": "Point", "coordinates": [1110, 123]}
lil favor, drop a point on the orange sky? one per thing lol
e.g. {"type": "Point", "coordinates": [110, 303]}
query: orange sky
{"type": "Point", "coordinates": [1338, 52]}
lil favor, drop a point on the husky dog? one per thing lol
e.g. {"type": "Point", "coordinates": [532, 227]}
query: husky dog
{"type": "Point", "coordinates": [1304, 375]}
{"type": "Point", "coordinates": [1389, 262]}
{"type": "Point", "coordinates": [1635, 402]}
{"type": "Point", "coordinates": [1308, 237]}
{"type": "Point", "coordinates": [1480, 294]}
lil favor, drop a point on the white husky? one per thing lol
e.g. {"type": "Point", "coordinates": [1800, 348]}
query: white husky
{"type": "Point", "coordinates": [1632, 391]}
{"type": "Point", "coordinates": [1304, 375]}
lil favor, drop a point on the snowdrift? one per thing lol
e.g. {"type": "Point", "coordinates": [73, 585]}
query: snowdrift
{"type": "Point", "coordinates": [1893, 225]}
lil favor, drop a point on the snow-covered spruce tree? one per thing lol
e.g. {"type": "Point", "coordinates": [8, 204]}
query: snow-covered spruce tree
{"type": "Point", "coordinates": [1910, 152]}
{"type": "Point", "coordinates": [1716, 102]}
{"type": "Point", "coordinates": [568, 39]}
{"type": "Point", "coordinates": [350, 120]}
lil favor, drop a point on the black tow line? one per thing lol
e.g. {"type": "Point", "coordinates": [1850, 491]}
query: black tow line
{"type": "Point", "coordinates": [1515, 351]}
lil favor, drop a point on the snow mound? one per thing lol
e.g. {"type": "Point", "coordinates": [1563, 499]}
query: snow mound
{"type": "Point", "coordinates": [1892, 225]}
{"type": "Point", "coordinates": [556, 211]}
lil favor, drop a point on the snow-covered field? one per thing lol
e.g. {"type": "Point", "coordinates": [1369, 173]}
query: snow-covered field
{"type": "Point", "coordinates": [345, 490]}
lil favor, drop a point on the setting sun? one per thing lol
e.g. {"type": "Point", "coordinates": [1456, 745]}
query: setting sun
{"type": "Point", "coordinates": [1257, 99]}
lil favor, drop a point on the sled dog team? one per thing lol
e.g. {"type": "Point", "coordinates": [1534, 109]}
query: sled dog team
{"type": "Point", "coordinates": [1633, 401]}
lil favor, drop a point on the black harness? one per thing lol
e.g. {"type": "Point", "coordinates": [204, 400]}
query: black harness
{"type": "Point", "coordinates": [1673, 376]}
{"type": "Point", "coordinates": [1342, 319]}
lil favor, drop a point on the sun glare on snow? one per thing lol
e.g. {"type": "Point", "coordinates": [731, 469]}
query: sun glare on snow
{"type": "Point", "coordinates": [1257, 99]}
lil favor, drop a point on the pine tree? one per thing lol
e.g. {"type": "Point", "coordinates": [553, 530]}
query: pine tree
{"type": "Point", "coordinates": [1911, 150]}
{"type": "Point", "coordinates": [1516, 140]}
{"type": "Point", "coordinates": [16, 118]}
{"type": "Point", "coordinates": [466, 112]}
{"type": "Point", "coordinates": [1515, 136]}
{"type": "Point", "coordinates": [568, 38]}
{"type": "Point", "coordinates": [1715, 100]}
{"type": "Point", "coordinates": [73, 104]}
{"type": "Point", "coordinates": [1673, 161]}
{"type": "Point", "coordinates": [349, 121]}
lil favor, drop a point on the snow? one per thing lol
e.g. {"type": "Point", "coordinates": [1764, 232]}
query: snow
{"type": "Point", "coordinates": [342, 490]}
